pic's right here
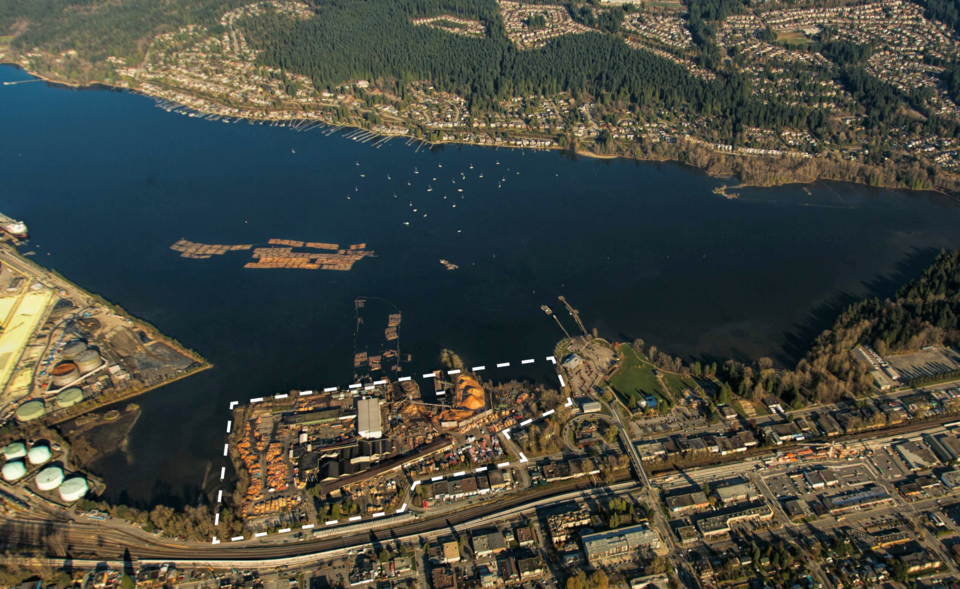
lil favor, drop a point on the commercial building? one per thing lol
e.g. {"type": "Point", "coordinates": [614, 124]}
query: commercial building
{"type": "Point", "coordinates": [951, 478]}
{"type": "Point", "coordinates": [720, 524]}
{"type": "Point", "coordinates": [617, 545]}
{"type": "Point", "coordinates": [915, 457]}
{"type": "Point", "coordinates": [488, 544]}
{"type": "Point", "coordinates": [942, 450]}
{"type": "Point", "coordinates": [829, 425]}
{"type": "Point", "coordinates": [783, 432]}
{"type": "Point", "coordinates": [651, 451]}
{"type": "Point", "coordinates": [687, 502]}
{"type": "Point", "coordinates": [829, 477]}
{"type": "Point", "coordinates": [524, 537]}
{"type": "Point", "coordinates": [451, 553]}
{"type": "Point", "coordinates": [530, 567]}
{"type": "Point", "coordinates": [868, 497]}
{"type": "Point", "coordinates": [921, 561]}
{"type": "Point", "coordinates": [736, 493]}
{"type": "Point", "coordinates": [368, 419]}
{"type": "Point", "coordinates": [562, 525]}
{"type": "Point", "coordinates": [443, 578]}
{"type": "Point", "coordinates": [591, 407]}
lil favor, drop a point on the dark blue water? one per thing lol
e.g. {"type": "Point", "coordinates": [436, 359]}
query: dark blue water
{"type": "Point", "coordinates": [107, 182]}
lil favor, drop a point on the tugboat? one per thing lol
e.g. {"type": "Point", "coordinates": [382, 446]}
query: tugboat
{"type": "Point", "coordinates": [15, 228]}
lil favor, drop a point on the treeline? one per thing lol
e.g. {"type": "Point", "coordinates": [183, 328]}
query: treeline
{"type": "Point", "coordinates": [945, 11]}
{"type": "Point", "coordinates": [99, 28]}
{"type": "Point", "coordinates": [193, 523]}
{"type": "Point", "coordinates": [922, 313]}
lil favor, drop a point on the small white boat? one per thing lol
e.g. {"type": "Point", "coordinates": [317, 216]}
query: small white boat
{"type": "Point", "coordinates": [406, 222]}
{"type": "Point", "coordinates": [429, 188]}
{"type": "Point", "coordinates": [415, 171]}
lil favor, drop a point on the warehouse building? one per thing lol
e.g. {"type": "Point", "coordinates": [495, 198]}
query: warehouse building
{"type": "Point", "coordinates": [868, 497]}
{"type": "Point", "coordinates": [368, 419]}
{"type": "Point", "coordinates": [687, 502]}
{"type": "Point", "coordinates": [736, 493]}
{"type": "Point", "coordinates": [915, 457]}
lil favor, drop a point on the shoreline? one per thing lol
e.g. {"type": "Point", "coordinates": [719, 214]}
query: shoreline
{"type": "Point", "coordinates": [735, 158]}
{"type": "Point", "coordinates": [59, 418]}
{"type": "Point", "coordinates": [93, 404]}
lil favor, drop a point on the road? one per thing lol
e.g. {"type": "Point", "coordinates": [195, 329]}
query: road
{"type": "Point", "coordinates": [89, 539]}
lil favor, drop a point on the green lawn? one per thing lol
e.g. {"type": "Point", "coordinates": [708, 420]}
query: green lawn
{"type": "Point", "coordinates": [678, 384]}
{"type": "Point", "coordinates": [634, 378]}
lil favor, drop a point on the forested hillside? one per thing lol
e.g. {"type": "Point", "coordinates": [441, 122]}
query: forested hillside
{"type": "Point", "coordinates": [98, 28]}
{"type": "Point", "coordinates": [923, 312]}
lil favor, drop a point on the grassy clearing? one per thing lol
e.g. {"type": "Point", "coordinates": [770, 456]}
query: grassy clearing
{"type": "Point", "coordinates": [634, 379]}
{"type": "Point", "coordinates": [679, 384]}
{"type": "Point", "coordinates": [793, 38]}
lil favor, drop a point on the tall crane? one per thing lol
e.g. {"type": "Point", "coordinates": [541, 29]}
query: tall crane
{"type": "Point", "coordinates": [575, 313]}
{"type": "Point", "coordinates": [547, 310]}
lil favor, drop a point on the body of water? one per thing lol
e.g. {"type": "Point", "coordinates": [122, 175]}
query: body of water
{"type": "Point", "coordinates": [107, 182]}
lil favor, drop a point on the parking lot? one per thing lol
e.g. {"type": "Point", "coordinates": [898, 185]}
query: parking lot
{"type": "Point", "coordinates": [887, 466]}
{"type": "Point", "coordinates": [782, 486]}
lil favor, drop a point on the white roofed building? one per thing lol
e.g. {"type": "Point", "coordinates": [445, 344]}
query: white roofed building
{"type": "Point", "coordinates": [368, 419]}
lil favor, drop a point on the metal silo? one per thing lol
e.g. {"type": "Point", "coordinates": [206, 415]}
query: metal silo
{"type": "Point", "coordinates": [74, 349]}
{"type": "Point", "coordinates": [88, 360]}
{"type": "Point", "coordinates": [69, 397]}
{"type": "Point", "coordinates": [38, 455]}
{"type": "Point", "coordinates": [49, 478]}
{"type": "Point", "coordinates": [30, 410]}
{"type": "Point", "coordinates": [73, 489]}
{"type": "Point", "coordinates": [64, 373]}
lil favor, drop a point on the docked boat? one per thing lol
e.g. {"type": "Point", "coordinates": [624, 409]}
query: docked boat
{"type": "Point", "coordinates": [17, 229]}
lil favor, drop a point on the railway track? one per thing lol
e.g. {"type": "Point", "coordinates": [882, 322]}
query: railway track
{"type": "Point", "coordinates": [87, 540]}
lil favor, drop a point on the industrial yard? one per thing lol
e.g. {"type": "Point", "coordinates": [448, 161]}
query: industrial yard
{"type": "Point", "coordinates": [63, 354]}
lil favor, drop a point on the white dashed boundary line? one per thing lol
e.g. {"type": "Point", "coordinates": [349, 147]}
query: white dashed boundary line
{"type": "Point", "coordinates": [354, 387]}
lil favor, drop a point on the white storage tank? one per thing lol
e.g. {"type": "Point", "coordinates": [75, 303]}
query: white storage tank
{"type": "Point", "coordinates": [69, 397]}
{"type": "Point", "coordinates": [38, 455]}
{"type": "Point", "coordinates": [14, 450]}
{"type": "Point", "coordinates": [74, 489]}
{"type": "Point", "coordinates": [50, 478]}
{"type": "Point", "coordinates": [88, 361]}
{"type": "Point", "coordinates": [30, 410]}
{"type": "Point", "coordinates": [73, 349]}
{"type": "Point", "coordinates": [13, 471]}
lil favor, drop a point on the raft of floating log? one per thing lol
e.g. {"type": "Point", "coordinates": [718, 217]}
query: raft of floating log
{"type": "Point", "coordinates": [360, 360]}
{"type": "Point", "coordinates": [202, 251]}
{"type": "Point", "coordinates": [394, 320]}
{"type": "Point", "coordinates": [391, 333]}
{"type": "Point", "coordinates": [332, 258]}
